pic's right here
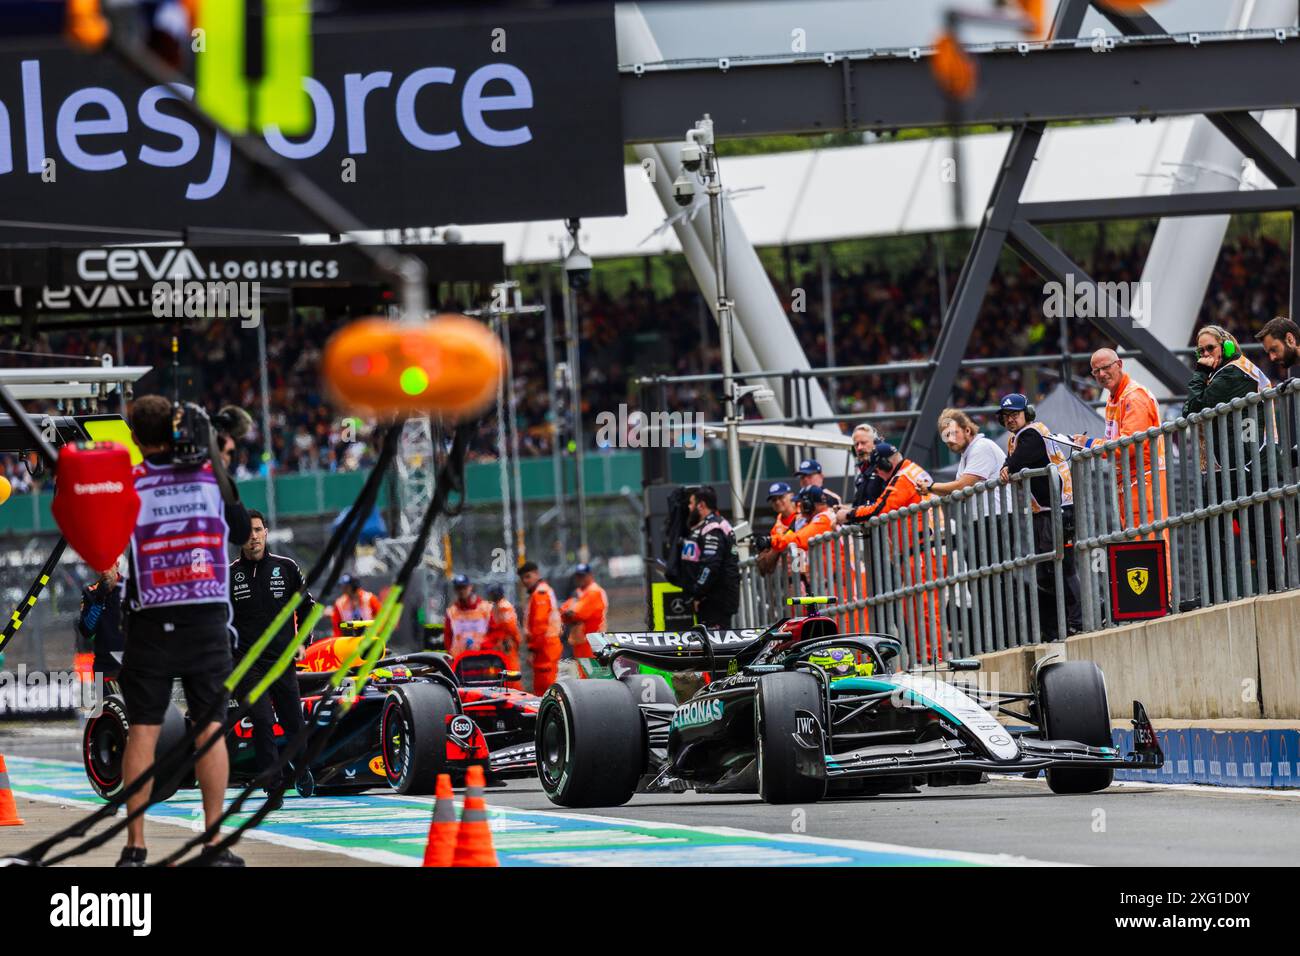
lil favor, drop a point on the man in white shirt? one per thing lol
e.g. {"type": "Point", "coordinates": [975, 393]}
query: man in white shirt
{"type": "Point", "coordinates": [981, 456]}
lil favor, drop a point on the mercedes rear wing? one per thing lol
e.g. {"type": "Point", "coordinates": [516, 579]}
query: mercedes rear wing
{"type": "Point", "coordinates": [671, 650]}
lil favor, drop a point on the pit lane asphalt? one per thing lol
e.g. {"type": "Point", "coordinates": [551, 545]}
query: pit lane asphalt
{"type": "Point", "coordinates": [1126, 825]}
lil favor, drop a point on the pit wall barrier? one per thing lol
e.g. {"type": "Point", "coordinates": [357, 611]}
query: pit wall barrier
{"type": "Point", "coordinates": [1238, 660]}
{"type": "Point", "coordinates": [1221, 684]}
{"type": "Point", "coordinates": [1266, 757]}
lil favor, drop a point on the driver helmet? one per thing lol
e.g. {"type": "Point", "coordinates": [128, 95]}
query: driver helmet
{"type": "Point", "coordinates": [839, 662]}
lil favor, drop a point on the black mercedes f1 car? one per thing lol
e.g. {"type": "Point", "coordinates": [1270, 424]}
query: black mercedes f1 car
{"type": "Point", "coordinates": [798, 709]}
{"type": "Point", "coordinates": [418, 716]}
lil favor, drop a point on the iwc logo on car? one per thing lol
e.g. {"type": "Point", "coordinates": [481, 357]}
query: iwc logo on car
{"type": "Point", "coordinates": [697, 713]}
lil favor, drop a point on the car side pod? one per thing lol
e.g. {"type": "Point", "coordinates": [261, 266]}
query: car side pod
{"type": "Point", "coordinates": [1146, 746]}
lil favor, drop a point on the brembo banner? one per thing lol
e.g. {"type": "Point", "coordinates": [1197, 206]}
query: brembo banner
{"type": "Point", "coordinates": [507, 116]}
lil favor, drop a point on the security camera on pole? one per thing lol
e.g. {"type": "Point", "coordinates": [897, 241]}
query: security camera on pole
{"type": "Point", "coordinates": [699, 157]}
{"type": "Point", "coordinates": [577, 271]}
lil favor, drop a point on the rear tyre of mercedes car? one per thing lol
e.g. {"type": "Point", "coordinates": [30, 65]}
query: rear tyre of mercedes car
{"type": "Point", "coordinates": [791, 761]}
{"type": "Point", "coordinates": [1072, 704]}
{"type": "Point", "coordinates": [413, 735]}
{"type": "Point", "coordinates": [591, 744]}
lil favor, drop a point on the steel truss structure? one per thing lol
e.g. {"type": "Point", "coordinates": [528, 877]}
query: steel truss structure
{"type": "Point", "coordinates": [1145, 74]}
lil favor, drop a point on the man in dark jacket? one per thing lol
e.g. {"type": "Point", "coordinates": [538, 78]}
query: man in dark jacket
{"type": "Point", "coordinates": [868, 486]}
{"type": "Point", "coordinates": [709, 568]}
{"type": "Point", "coordinates": [260, 585]}
{"type": "Point", "coordinates": [1027, 450]}
{"type": "Point", "coordinates": [100, 622]}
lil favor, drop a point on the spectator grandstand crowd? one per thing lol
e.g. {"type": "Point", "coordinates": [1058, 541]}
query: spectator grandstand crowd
{"type": "Point", "coordinates": [879, 315]}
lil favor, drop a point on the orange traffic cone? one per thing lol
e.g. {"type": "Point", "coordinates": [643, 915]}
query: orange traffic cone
{"type": "Point", "coordinates": [8, 809]}
{"type": "Point", "coordinates": [442, 830]}
{"type": "Point", "coordinates": [474, 838]}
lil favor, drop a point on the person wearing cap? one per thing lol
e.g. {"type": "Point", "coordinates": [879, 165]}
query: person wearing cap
{"type": "Point", "coordinates": [780, 496]}
{"type": "Point", "coordinates": [810, 476]}
{"type": "Point", "coordinates": [503, 630]}
{"type": "Point", "coordinates": [1032, 445]}
{"type": "Point", "coordinates": [541, 627]}
{"type": "Point", "coordinates": [818, 520]}
{"type": "Point", "coordinates": [584, 613]}
{"type": "Point", "coordinates": [354, 604]}
{"type": "Point", "coordinates": [467, 621]}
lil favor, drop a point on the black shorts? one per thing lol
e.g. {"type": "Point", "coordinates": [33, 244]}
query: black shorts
{"type": "Point", "coordinates": [197, 653]}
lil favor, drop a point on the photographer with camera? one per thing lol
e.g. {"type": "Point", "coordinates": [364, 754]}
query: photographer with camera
{"type": "Point", "coordinates": [178, 610]}
{"type": "Point", "coordinates": [707, 569]}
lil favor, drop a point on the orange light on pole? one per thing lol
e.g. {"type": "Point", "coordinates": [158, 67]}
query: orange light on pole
{"type": "Point", "coordinates": [953, 69]}
{"type": "Point", "coordinates": [448, 366]}
{"type": "Point", "coordinates": [85, 25]}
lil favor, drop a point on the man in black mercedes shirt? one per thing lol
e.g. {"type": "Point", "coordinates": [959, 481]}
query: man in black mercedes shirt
{"type": "Point", "coordinates": [260, 584]}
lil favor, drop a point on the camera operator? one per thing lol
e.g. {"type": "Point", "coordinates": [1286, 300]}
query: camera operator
{"type": "Point", "coordinates": [178, 609]}
{"type": "Point", "coordinates": [709, 571]}
{"type": "Point", "coordinates": [261, 583]}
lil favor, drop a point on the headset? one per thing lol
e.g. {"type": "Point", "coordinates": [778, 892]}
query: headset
{"type": "Point", "coordinates": [1229, 350]}
{"type": "Point", "coordinates": [1030, 413]}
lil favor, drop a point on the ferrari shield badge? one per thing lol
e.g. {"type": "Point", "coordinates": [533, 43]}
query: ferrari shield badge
{"type": "Point", "coordinates": [1137, 579]}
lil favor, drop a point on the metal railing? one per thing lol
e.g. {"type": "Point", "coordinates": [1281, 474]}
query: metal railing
{"type": "Point", "coordinates": [1225, 502]}
{"type": "Point", "coordinates": [981, 570]}
{"type": "Point", "coordinates": [962, 574]}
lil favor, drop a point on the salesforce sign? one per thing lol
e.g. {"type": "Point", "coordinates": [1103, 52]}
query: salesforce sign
{"type": "Point", "coordinates": [416, 123]}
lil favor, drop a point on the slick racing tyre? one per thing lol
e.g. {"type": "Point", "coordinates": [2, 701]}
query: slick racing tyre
{"type": "Point", "coordinates": [591, 746]}
{"type": "Point", "coordinates": [104, 742]}
{"type": "Point", "coordinates": [1072, 705]}
{"type": "Point", "coordinates": [413, 735]}
{"type": "Point", "coordinates": [787, 772]}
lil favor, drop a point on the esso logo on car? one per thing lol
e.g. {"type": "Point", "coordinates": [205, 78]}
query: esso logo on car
{"type": "Point", "coordinates": [461, 727]}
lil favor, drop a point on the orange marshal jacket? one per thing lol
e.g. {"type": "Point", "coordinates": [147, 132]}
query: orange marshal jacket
{"type": "Point", "coordinates": [542, 622]}
{"type": "Point", "coordinates": [589, 606]}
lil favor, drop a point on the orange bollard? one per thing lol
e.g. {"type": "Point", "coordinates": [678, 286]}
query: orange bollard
{"type": "Point", "coordinates": [441, 847]}
{"type": "Point", "coordinates": [474, 838]}
{"type": "Point", "coordinates": [8, 808]}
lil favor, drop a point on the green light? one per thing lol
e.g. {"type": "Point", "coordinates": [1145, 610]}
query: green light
{"type": "Point", "coordinates": [414, 380]}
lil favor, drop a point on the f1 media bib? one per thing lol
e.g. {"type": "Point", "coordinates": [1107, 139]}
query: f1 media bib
{"type": "Point", "coordinates": [178, 549]}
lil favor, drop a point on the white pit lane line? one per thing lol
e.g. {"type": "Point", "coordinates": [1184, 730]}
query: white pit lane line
{"type": "Point", "coordinates": [297, 843]}
{"type": "Point", "coordinates": [1200, 788]}
{"type": "Point", "coordinates": [956, 856]}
